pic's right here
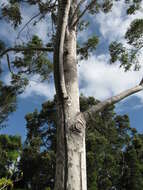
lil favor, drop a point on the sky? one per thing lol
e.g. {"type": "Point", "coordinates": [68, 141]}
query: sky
{"type": "Point", "coordinates": [96, 76]}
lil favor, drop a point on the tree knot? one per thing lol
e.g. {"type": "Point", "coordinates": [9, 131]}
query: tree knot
{"type": "Point", "coordinates": [79, 123]}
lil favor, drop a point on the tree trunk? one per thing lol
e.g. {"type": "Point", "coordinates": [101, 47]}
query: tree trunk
{"type": "Point", "coordinates": [71, 153]}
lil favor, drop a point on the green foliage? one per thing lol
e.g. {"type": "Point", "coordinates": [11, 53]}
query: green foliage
{"type": "Point", "coordinates": [37, 175]}
{"type": "Point", "coordinates": [19, 82]}
{"type": "Point", "coordinates": [10, 148]}
{"type": "Point", "coordinates": [127, 58]}
{"type": "Point", "coordinates": [113, 153]}
{"type": "Point", "coordinates": [40, 148]}
{"type": "Point", "coordinates": [12, 13]}
{"type": "Point", "coordinates": [116, 49]}
{"type": "Point", "coordinates": [133, 6]}
{"type": "Point", "coordinates": [7, 183]}
{"type": "Point", "coordinates": [33, 62]}
{"type": "Point", "coordinates": [88, 47]}
{"type": "Point", "coordinates": [104, 6]}
{"type": "Point", "coordinates": [107, 5]}
{"type": "Point", "coordinates": [83, 25]}
{"type": "Point", "coordinates": [37, 62]}
{"type": "Point", "coordinates": [132, 176]}
{"type": "Point", "coordinates": [134, 34]}
{"type": "Point", "coordinates": [8, 96]}
{"type": "Point", "coordinates": [7, 101]}
{"type": "Point", "coordinates": [114, 149]}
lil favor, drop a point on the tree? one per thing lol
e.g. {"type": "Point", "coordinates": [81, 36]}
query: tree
{"type": "Point", "coordinates": [66, 17]}
{"type": "Point", "coordinates": [39, 148]}
{"type": "Point", "coordinates": [113, 149]}
{"type": "Point", "coordinates": [10, 147]}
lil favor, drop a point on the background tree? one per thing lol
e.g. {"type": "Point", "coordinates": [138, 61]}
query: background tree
{"type": "Point", "coordinates": [66, 17]}
{"type": "Point", "coordinates": [10, 149]}
{"type": "Point", "coordinates": [114, 149]}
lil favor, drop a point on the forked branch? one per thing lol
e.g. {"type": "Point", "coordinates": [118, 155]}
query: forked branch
{"type": "Point", "coordinates": [27, 23]}
{"type": "Point", "coordinates": [100, 106]}
{"type": "Point", "coordinates": [76, 12]}
{"type": "Point", "coordinates": [83, 12]}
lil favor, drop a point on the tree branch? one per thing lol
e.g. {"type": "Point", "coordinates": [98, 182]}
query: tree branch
{"type": "Point", "coordinates": [100, 106]}
{"type": "Point", "coordinates": [76, 11]}
{"type": "Point", "coordinates": [26, 49]}
{"type": "Point", "coordinates": [35, 16]}
{"type": "Point", "coordinates": [83, 12]}
{"type": "Point", "coordinates": [8, 62]}
{"type": "Point", "coordinates": [4, 187]}
{"type": "Point", "coordinates": [64, 11]}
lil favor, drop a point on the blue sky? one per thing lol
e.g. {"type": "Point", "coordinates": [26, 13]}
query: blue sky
{"type": "Point", "coordinates": [96, 77]}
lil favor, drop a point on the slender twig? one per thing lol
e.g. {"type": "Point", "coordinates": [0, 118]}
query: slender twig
{"type": "Point", "coordinates": [4, 186]}
{"type": "Point", "coordinates": [26, 49]}
{"type": "Point", "coordinates": [35, 16]}
{"type": "Point", "coordinates": [76, 11]}
{"type": "Point", "coordinates": [83, 12]}
{"type": "Point", "coordinates": [8, 63]}
{"type": "Point", "coordinates": [28, 33]}
{"type": "Point", "coordinates": [27, 23]}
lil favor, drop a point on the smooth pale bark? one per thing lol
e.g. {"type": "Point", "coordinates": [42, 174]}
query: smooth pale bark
{"type": "Point", "coordinates": [76, 123]}
{"type": "Point", "coordinates": [64, 8]}
{"type": "Point", "coordinates": [100, 106]}
{"type": "Point", "coordinates": [71, 154]}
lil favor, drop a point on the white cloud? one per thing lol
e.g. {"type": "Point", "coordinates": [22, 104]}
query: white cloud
{"type": "Point", "coordinates": [96, 77]}
{"type": "Point", "coordinates": [41, 28]}
{"type": "Point", "coordinates": [114, 24]}
{"type": "Point", "coordinates": [3, 2]}
{"type": "Point", "coordinates": [35, 87]}
{"type": "Point", "coordinates": [7, 79]}
{"type": "Point", "coordinates": [99, 79]}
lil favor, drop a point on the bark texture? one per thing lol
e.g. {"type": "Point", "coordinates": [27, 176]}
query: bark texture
{"type": "Point", "coordinates": [71, 162]}
{"type": "Point", "coordinates": [71, 150]}
{"type": "Point", "coordinates": [71, 157]}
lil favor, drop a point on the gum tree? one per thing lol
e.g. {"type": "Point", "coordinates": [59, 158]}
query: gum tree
{"type": "Point", "coordinates": [67, 20]}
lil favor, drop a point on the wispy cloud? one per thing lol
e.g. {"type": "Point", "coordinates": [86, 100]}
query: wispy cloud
{"type": "Point", "coordinates": [96, 77]}
{"type": "Point", "coordinates": [35, 87]}
{"type": "Point", "coordinates": [99, 79]}
{"type": "Point", "coordinates": [114, 24]}
{"type": "Point", "coordinates": [45, 89]}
